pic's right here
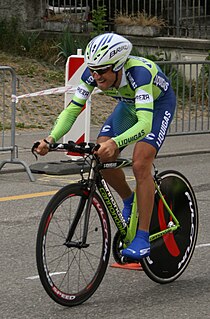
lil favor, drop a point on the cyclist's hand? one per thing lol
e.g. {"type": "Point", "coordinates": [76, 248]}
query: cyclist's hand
{"type": "Point", "coordinates": [107, 149]}
{"type": "Point", "coordinates": [43, 146]}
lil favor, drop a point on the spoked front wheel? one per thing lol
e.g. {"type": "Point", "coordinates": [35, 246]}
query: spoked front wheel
{"type": "Point", "coordinates": [171, 253]}
{"type": "Point", "coordinates": [71, 271]}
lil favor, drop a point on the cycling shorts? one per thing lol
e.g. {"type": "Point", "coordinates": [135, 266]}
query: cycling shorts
{"type": "Point", "coordinates": [124, 117]}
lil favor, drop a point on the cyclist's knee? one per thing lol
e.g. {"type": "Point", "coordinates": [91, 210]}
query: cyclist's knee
{"type": "Point", "coordinates": [143, 158]}
{"type": "Point", "coordinates": [141, 169]}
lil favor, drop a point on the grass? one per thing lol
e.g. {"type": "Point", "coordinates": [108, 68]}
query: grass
{"type": "Point", "coordinates": [32, 76]}
{"type": "Point", "coordinates": [32, 68]}
{"type": "Point", "coordinates": [141, 19]}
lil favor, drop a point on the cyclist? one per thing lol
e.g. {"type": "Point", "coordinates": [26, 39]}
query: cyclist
{"type": "Point", "coordinates": [145, 109]}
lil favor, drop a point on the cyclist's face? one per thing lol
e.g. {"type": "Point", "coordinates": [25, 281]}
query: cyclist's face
{"type": "Point", "coordinates": [105, 78]}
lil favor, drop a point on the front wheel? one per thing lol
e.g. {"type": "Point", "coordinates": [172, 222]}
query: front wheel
{"type": "Point", "coordinates": [171, 253]}
{"type": "Point", "coordinates": [71, 271]}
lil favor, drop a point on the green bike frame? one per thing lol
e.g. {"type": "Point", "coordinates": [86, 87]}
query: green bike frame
{"type": "Point", "coordinates": [131, 229]}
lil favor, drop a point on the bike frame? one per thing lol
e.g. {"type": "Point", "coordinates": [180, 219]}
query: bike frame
{"type": "Point", "coordinates": [127, 232]}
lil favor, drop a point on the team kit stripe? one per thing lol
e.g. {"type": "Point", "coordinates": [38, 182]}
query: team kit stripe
{"type": "Point", "coordinates": [144, 109]}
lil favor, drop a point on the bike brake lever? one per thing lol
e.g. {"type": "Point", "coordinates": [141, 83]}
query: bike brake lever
{"type": "Point", "coordinates": [36, 144]}
{"type": "Point", "coordinates": [96, 147]}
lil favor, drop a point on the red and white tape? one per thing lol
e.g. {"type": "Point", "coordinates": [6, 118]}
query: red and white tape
{"type": "Point", "coordinates": [58, 90]}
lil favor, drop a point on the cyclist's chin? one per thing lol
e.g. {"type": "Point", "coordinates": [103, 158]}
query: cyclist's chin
{"type": "Point", "coordinates": [103, 85]}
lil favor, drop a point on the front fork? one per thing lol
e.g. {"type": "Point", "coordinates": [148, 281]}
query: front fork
{"type": "Point", "coordinates": [84, 207]}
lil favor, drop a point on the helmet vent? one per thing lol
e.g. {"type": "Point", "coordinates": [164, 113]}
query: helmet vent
{"type": "Point", "coordinates": [104, 47]}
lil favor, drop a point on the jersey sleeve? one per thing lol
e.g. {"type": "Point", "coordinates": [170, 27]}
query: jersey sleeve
{"type": "Point", "coordinates": [68, 116]}
{"type": "Point", "coordinates": [144, 104]}
{"type": "Point", "coordinates": [65, 121]}
{"type": "Point", "coordinates": [138, 131]}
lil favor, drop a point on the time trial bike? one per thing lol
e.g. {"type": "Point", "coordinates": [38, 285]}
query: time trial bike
{"type": "Point", "coordinates": [74, 236]}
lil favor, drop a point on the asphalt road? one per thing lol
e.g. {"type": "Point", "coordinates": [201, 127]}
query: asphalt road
{"type": "Point", "coordinates": [122, 293]}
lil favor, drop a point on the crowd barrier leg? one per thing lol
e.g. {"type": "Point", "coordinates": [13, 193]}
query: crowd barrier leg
{"type": "Point", "coordinates": [12, 148]}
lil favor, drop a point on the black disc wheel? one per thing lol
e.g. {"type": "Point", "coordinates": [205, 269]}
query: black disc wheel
{"type": "Point", "coordinates": [171, 253]}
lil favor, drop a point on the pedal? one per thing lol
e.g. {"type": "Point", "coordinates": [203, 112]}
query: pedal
{"type": "Point", "coordinates": [126, 260]}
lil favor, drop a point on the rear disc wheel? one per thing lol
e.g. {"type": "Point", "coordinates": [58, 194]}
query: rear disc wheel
{"type": "Point", "coordinates": [171, 254]}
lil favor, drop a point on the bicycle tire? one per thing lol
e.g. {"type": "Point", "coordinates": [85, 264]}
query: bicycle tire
{"type": "Point", "coordinates": [171, 254]}
{"type": "Point", "coordinates": [71, 275]}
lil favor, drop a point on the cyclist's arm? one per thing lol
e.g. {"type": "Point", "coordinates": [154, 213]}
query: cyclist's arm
{"type": "Point", "coordinates": [68, 116]}
{"type": "Point", "coordinates": [65, 121]}
{"type": "Point", "coordinates": [144, 111]}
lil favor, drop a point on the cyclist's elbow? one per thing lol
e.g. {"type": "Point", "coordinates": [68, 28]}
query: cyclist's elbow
{"type": "Point", "coordinates": [147, 127]}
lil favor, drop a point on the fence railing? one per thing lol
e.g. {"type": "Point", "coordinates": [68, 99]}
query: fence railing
{"type": "Point", "coordinates": [184, 18]}
{"type": "Point", "coordinates": [7, 121]}
{"type": "Point", "coordinates": [191, 82]}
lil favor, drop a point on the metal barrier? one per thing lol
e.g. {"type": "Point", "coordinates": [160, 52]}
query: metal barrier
{"type": "Point", "coordinates": [191, 82]}
{"type": "Point", "coordinates": [185, 18]}
{"type": "Point", "coordinates": [7, 95]}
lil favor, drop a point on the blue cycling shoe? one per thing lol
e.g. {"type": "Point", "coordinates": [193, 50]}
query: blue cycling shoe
{"type": "Point", "coordinates": [139, 248]}
{"type": "Point", "coordinates": [126, 212]}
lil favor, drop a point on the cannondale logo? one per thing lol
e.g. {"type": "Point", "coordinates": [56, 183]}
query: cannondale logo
{"type": "Point", "coordinates": [106, 128]}
{"type": "Point", "coordinates": [150, 136]}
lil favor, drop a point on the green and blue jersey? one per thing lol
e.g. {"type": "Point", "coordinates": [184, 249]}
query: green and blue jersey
{"type": "Point", "coordinates": [142, 84]}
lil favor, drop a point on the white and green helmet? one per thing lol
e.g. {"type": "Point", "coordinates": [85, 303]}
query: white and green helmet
{"type": "Point", "coordinates": [108, 49]}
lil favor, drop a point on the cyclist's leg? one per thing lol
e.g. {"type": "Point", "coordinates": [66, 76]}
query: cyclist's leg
{"type": "Point", "coordinates": [116, 177]}
{"type": "Point", "coordinates": [122, 118]}
{"type": "Point", "coordinates": [143, 157]}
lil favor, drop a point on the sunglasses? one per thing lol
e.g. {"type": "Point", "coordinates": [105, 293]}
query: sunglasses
{"type": "Point", "coordinates": [100, 71]}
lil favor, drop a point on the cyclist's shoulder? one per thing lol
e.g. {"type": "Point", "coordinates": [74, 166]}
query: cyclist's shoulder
{"type": "Point", "coordinates": [139, 62]}
{"type": "Point", "coordinates": [87, 79]}
{"type": "Point", "coordinates": [140, 71]}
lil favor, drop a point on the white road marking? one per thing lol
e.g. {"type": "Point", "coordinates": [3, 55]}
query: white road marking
{"type": "Point", "coordinates": [63, 272]}
{"type": "Point", "coordinates": [52, 274]}
{"type": "Point", "coordinates": [202, 245]}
